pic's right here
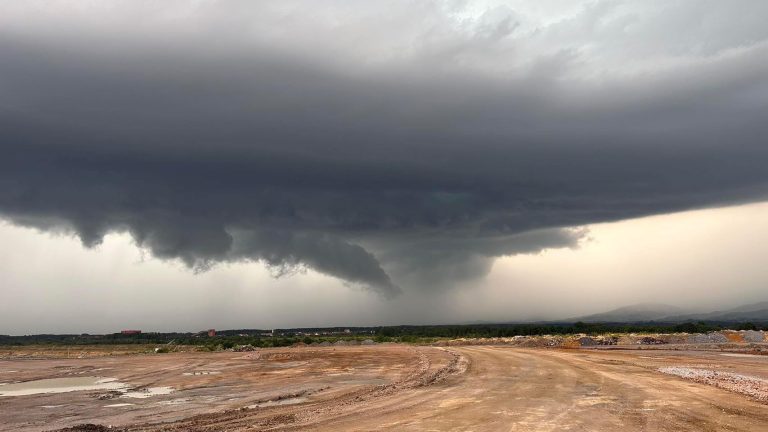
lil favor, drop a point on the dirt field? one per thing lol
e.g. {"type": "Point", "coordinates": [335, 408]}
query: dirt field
{"type": "Point", "coordinates": [395, 387]}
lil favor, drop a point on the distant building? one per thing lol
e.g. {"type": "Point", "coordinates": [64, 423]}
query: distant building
{"type": "Point", "coordinates": [130, 332]}
{"type": "Point", "coordinates": [212, 333]}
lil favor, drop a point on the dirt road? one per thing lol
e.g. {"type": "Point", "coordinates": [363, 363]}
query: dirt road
{"type": "Point", "coordinates": [544, 390]}
{"type": "Point", "coordinates": [400, 388]}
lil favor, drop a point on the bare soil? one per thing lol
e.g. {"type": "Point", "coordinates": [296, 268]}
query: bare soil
{"type": "Point", "coordinates": [395, 387]}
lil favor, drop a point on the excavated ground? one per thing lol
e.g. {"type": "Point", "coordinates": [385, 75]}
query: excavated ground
{"type": "Point", "coordinates": [398, 388]}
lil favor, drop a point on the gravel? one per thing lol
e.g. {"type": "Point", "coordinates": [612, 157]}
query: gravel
{"type": "Point", "coordinates": [751, 386]}
{"type": "Point", "coordinates": [714, 337]}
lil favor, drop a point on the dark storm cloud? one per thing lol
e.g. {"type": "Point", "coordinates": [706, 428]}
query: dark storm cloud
{"type": "Point", "coordinates": [234, 131]}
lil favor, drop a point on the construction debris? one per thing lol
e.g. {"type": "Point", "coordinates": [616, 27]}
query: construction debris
{"type": "Point", "coordinates": [754, 387]}
{"type": "Point", "coordinates": [244, 348]}
{"type": "Point", "coordinates": [738, 338]}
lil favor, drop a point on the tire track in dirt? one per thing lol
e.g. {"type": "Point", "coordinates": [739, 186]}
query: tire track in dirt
{"type": "Point", "coordinates": [424, 373]}
{"type": "Point", "coordinates": [507, 389]}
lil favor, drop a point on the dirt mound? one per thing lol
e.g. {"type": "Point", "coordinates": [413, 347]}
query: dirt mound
{"type": "Point", "coordinates": [754, 336]}
{"type": "Point", "coordinates": [677, 338]}
{"type": "Point", "coordinates": [89, 427]}
{"type": "Point", "coordinates": [278, 356]}
{"type": "Point", "coordinates": [734, 336]}
{"type": "Point", "coordinates": [714, 337]}
{"type": "Point", "coordinates": [650, 340]}
{"type": "Point", "coordinates": [244, 348]}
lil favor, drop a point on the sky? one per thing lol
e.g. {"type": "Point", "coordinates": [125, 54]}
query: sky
{"type": "Point", "coordinates": [185, 165]}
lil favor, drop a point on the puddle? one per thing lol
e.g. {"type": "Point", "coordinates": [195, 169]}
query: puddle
{"type": "Point", "coordinates": [70, 384]}
{"type": "Point", "coordinates": [287, 401]}
{"type": "Point", "coordinates": [201, 373]}
{"type": "Point", "coordinates": [51, 406]}
{"type": "Point", "coordinates": [740, 355]}
{"type": "Point", "coordinates": [148, 392]}
{"type": "Point", "coordinates": [117, 405]}
{"type": "Point", "coordinates": [60, 385]}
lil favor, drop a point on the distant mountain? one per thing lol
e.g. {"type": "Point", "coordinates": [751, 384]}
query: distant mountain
{"type": "Point", "coordinates": [749, 312]}
{"type": "Point", "coordinates": [670, 314]}
{"type": "Point", "coordinates": [752, 307]}
{"type": "Point", "coordinates": [634, 313]}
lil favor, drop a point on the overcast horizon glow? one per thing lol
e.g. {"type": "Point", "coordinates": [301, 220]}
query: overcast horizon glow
{"type": "Point", "coordinates": [115, 286]}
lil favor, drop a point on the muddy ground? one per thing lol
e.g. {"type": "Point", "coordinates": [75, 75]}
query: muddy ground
{"type": "Point", "coordinates": [398, 388]}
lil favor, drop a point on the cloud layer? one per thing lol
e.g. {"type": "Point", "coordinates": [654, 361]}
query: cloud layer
{"type": "Point", "coordinates": [386, 145]}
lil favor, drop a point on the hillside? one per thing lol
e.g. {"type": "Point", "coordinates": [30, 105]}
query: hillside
{"type": "Point", "coordinates": [667, 313]}
{"type": "Point", "coordinates": [749, 312]}
{"type": "Point", "coordinates": [634, 313]}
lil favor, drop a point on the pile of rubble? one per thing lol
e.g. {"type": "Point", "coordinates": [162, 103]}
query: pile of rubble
{"type": "Point", "coordinates": [754, 387]}
{"type": "Point", "coordinates": [340, 342]}
{"type": "Point", "coordinates": [583, 340]}
{"type": "Point", "coordinates": [714, 337]}
{"type": "Point", "coordinates": [244, 348]}
{"type": "Point", "coordinates": [753, 336]}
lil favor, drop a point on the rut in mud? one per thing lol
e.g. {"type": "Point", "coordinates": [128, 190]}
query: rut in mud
{"type": "Point", "coordinates": [424, 373]}
{"type": "Point", "coordinates": [400, 388]}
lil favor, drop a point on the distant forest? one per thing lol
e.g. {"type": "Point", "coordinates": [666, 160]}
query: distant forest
{"type": "Point", "coordinates": [408, 333]}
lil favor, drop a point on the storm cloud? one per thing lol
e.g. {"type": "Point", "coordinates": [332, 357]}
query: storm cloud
{"type": "Point", "coordinates": [399, 144]}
